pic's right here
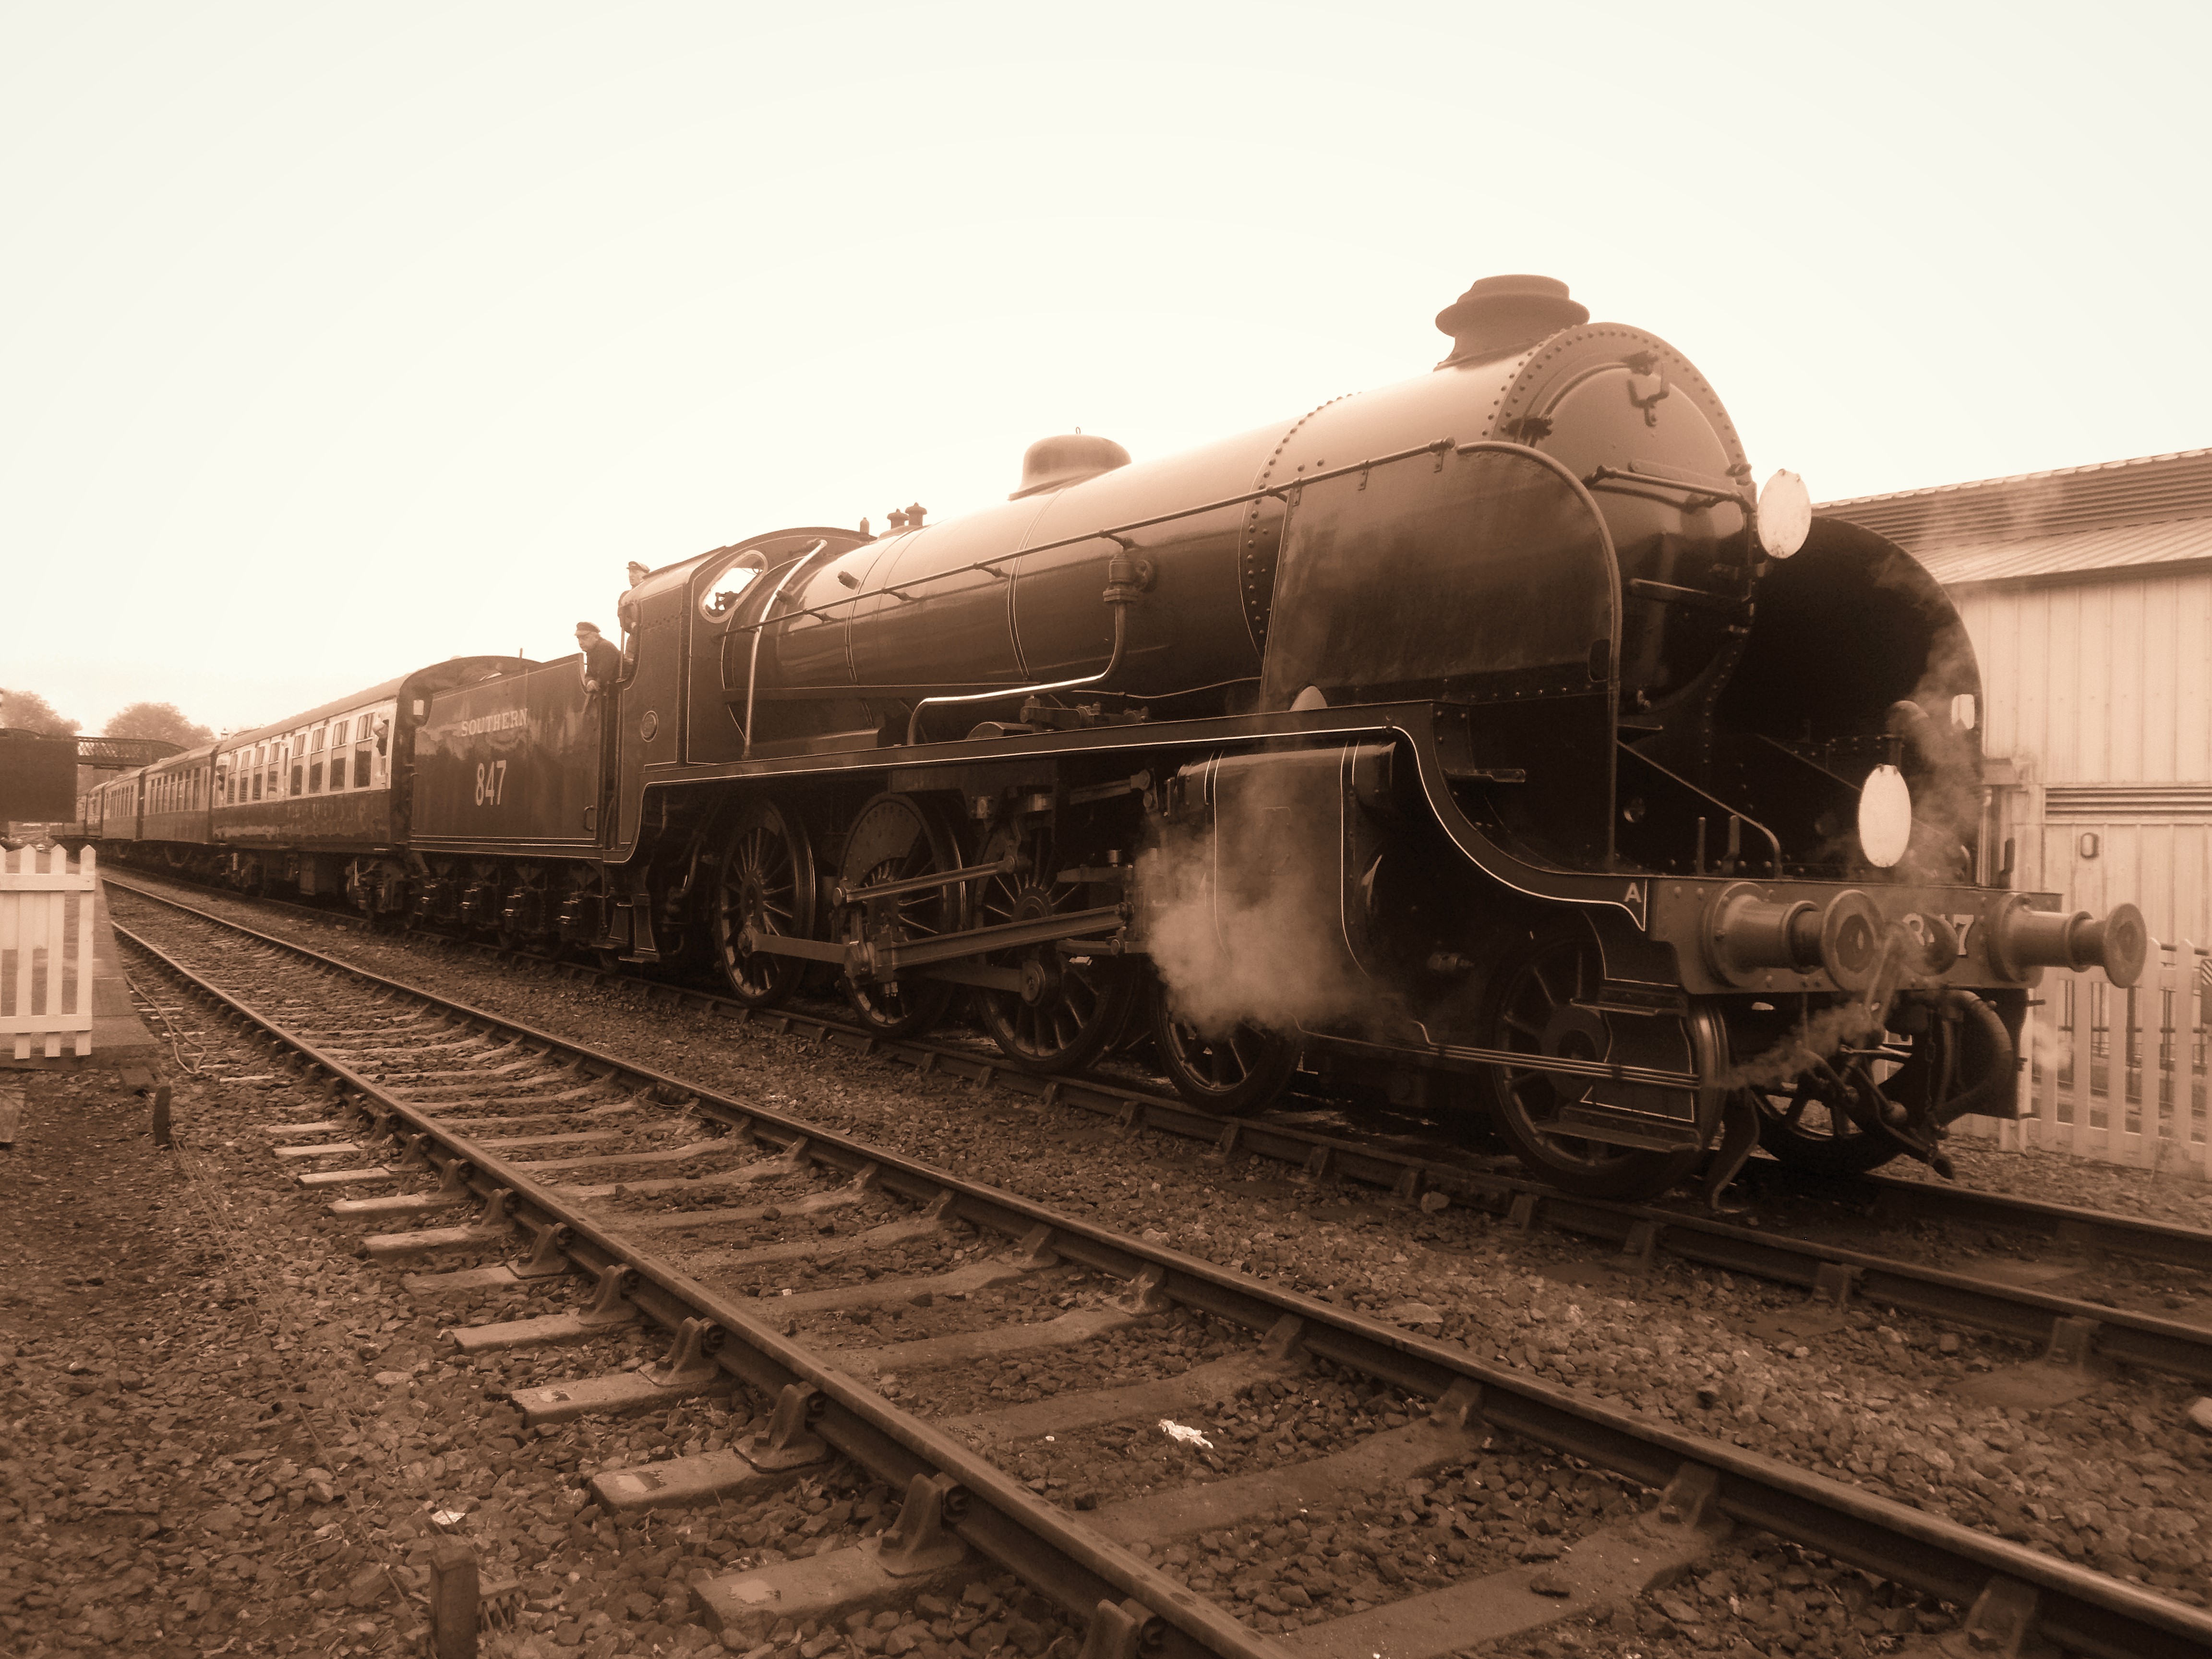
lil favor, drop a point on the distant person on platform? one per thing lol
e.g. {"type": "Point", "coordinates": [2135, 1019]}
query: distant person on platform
{"type": "Point", "coordinates": [602, 665]}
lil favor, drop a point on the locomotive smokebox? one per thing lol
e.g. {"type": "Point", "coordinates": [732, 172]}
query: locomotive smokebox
{"type": "Point", "coordinates": [1501, 314]}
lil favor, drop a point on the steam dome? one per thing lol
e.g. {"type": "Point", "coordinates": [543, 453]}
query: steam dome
{"type": "Point", "coordinates": [1069, 459]}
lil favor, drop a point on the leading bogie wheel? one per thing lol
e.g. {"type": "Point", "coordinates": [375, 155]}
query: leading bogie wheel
{"type": "Point", "coordinates": [1897, 1081]}
{"type": "Point", "coordinates": [766, 886]}
{"type": "Point", "coordinates": [1531, 1007]}
{"type": "Point", "coordinates": [1238, 1070]}
{"type": "Point", "coordinates": [897, 838]}
{"type": "Point", "coordinates": [1808, 1125]}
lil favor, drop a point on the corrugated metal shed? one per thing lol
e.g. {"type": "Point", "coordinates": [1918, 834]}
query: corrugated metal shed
{"type": "Point", "coordinates": [2149, 490]}
{"type": "Point", "coordinates": [2033, 559]}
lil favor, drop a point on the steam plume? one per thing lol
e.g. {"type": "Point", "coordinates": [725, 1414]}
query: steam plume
{"type": "Point", "coordinates": [1243, 917]}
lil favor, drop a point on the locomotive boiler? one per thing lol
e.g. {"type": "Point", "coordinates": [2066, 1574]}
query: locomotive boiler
{"type": "Point", "coordinates": [1484, 739]}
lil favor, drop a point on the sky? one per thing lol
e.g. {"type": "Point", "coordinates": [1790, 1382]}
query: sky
{"type": "Point", "coordinates": [336, 340]}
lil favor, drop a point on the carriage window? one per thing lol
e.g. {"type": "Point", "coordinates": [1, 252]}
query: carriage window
{"type": "Point", "coordinates": [337, 770]}
{"type": "Point", "coordinates": [299, 772]}
{"type": "Point", "coordinates": [315, 777]}
{"type": "Point", "coordinates": [718, 594]}
{"type": "Point", "coordinates": [361, 754]}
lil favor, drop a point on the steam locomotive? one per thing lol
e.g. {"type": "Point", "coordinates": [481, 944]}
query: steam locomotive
{"type": "Point", "coordinates": [1484, 739]}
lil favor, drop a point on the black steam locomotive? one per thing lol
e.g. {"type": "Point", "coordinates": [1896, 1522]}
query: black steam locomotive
{"type": "Point", "coordinates": [1483, 739]}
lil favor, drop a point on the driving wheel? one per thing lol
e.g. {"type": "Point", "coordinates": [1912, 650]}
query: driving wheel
{"type": "Point", "coordinates": [1532, 1008]}
{"type": "Point", "coordinates": [1239, 1071]}
{"type": "Point", "coordinates": [1072, 1003]}
{"type": "Point", "coordinates": [766, 886]}
{"type": "Point", "coordinates": [896, 839]}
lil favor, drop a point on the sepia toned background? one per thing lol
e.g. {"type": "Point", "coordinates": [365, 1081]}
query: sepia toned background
{"type": "Point", "coordinates": [341, 339]}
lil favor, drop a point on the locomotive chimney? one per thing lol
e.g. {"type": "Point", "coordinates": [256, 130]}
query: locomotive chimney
{"type": "Point", "coordinates": [1069, 459]}
{"type": "Point", "coordinates": [1501, 314]}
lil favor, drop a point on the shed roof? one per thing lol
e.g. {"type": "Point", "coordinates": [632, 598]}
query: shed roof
{"type": "Point", "coordinates": [2152, 510]}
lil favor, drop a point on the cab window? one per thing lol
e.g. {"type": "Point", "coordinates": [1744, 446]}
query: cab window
{"type": "Point", "coordinates": [719, 593]}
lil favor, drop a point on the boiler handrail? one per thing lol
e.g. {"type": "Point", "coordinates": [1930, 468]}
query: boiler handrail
{"type": "Point", "coordinates": [752, 663]}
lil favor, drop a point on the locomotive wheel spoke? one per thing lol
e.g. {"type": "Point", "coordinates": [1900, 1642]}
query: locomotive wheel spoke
{"type": "Point", "coordinates": [1524, 1003]}
{"type": "Point", "coordinates": [896, 838]}
{"type": "Point", "coordinates": [767, 885]}
{"type": "Point", "coordinates": [1832, 1142]}
{"type": "Point", "coordinates": [1799, 1101]}
{"type": "Point", "coordinates": [1542, 987]}
{"type": "Point", "coordinates": [1068, 1009]}
{"type": "Point", "coordinates": [1237, 1073]}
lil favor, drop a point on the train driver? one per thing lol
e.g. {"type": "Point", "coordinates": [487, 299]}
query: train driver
{"type": "Point", "coordinates": [601, 667]}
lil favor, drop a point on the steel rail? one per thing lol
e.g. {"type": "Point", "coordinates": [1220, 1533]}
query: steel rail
{"type": "Point", "coordinates": [2173, 1346]}
{"type": "Point", "coordinates": [2076, 1607]}
{"type": "Point", "coordinates": [2165, 1242]}
{"type": "Point", "coordinates": [999, 1517]}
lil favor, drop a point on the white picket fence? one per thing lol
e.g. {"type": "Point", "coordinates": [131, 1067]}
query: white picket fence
{"type": "Point", "coordinates": [2116, 1076]}
{"type": "Point", "coordinates": [46, 987]}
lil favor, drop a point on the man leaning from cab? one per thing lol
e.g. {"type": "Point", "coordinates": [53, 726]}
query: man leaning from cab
{"type": "Point", "coordinates": [602, 662]}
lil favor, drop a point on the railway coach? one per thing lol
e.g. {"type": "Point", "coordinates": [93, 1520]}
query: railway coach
{"type": "Point", "coordinates": [308, 804]}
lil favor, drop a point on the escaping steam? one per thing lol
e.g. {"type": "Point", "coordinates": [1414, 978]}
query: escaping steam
{"type": "Point", "coordinates": [1816, 1039]}
{"type": "Point", "coordinates": [1943, 761]}
{"type": "Point", "coordinates": [1243, 917]}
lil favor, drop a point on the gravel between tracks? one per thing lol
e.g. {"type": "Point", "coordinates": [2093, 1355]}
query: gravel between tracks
{"type": "Point", "coordinates": [2119, 1479]}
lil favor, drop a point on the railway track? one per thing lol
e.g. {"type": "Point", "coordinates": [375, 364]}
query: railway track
{"type": "Point", "coordinates": [2073, 1331]}
{"type": "Point", "coordinates": [685, 1219]}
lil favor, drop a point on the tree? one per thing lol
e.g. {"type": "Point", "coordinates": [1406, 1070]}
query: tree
{"type": "Point", "coordinates": [164, 721]}
{"type": "Point", "coordinates": [27, 711]}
